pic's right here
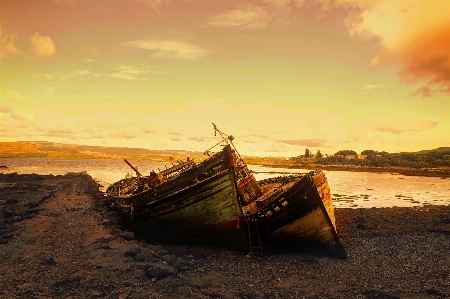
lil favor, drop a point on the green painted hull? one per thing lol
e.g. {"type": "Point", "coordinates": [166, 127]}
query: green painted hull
{"type": "Point", "coordinates": [208, 211]}
{"type": "Point", "coordinates": [201, 203]}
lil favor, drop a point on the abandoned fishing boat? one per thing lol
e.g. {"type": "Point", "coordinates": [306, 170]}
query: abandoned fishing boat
{"type": "Point", "coordinates": [220, 200]}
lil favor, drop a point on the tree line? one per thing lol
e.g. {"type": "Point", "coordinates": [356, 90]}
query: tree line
{"type": "Point", "coordinates": [372, 158]}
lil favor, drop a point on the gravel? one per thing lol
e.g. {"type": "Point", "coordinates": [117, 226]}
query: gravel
{"type": "Point", "coordinates": [57, 240]}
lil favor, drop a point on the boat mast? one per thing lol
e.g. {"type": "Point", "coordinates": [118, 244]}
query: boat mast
{"type": "Point", "coordinates": [228, 140]}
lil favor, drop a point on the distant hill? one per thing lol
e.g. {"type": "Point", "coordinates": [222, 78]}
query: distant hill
{"type": "Point", "coordinates": [51, 150]}
{"type": "Point", "coordinates": [439, 149]}
{"type": "Point", "coordinates": [44, 149]}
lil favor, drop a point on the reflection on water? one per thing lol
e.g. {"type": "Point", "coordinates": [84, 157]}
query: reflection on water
{"type": "Point", "coordinates": [349, 189]}
{"type": "Point", "coordinates": [105, 172]}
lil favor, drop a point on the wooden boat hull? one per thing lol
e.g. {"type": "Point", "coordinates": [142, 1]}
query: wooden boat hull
{"type": "Point", "coordinates": [210, 202]}
{"type": "Point", "coordinates": [302, 214]}
{"type": "Point", "coordinates": [209, 211]}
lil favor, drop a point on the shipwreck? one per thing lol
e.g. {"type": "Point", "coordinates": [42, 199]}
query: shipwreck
{"type": "Point", "coordinates": [220, 200]}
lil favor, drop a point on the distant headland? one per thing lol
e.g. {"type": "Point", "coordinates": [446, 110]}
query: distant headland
{"type": "Point", "coordinates": [435, 162]}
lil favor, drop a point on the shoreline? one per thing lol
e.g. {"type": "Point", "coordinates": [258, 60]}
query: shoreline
{"type": "Point", "coordinates": [444, 173]}
{"type": "Point", "coordinates": [58, 239]}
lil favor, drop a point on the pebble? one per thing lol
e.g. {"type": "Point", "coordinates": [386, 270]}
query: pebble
{"type": "Point", "coordinates": [393, 253]}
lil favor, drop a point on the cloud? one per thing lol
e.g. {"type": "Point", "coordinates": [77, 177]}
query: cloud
{"type": "Point", "coordinates": [424, 92]}
{"type": "Point", "coordinates": [198, 139]}
{"type": "Point", "coordinates": [303, 142]}
{"type": "Point", "coordinates": [5, 109]}
{"type": "Point", "coordinates": [77, 73]}
{"type": "Point", "coordinates": [128, 72]}
{"type": "Point", "coordinates": [42, 46]}
{"type": "Point", "coordinates": [91, 53]}
{"type": "Point", "coordinates": [415, 34]}
{"type": "Point", "coordinates": [8, 112]}
{"type": "Point", "coordinates": [401, 125]}
{"type": "Point", "coordinates": [183, 128]}
{"type": "Point", "coordinates": [43, 76]}
{"type": "Point", "coordinates": [249, 17]}
{"type": "Point", "coordinates": [155, 4]}
{"type": "Point", "coordinates": [13, 98]}
{"type": "Point", "coordinates": [83, 73]}
{"type": "Point", "coordinates": [259, 129]}
{"type": "Point", "coordinates": [17, 116]}
{"type": "Point", "coordinates": [74, 89]}
{"type": "Point", "coordinates": [168, 48]}
{"type": "Point", "coordinates": [7, 44]}
{"type": "Point", "coordinates": [371, 86]}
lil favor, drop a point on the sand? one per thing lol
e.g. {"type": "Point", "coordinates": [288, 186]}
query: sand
{"type": "Point", "coordinates": [58, 240]}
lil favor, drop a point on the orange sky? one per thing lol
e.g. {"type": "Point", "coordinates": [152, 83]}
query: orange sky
{"type": "Point", "coordinates": [279, 75]}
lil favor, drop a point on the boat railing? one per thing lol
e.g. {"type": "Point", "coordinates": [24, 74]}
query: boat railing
{"type": "Point", "coordinates": [281, 179]}
{"type": "Point", "coordinates": [163, 196]}
{"type": "Point", "coordinates": [176, 170]}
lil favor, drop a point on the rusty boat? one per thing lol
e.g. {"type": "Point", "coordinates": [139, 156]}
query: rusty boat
{"type": "Point", "coordinates": [220, 200]}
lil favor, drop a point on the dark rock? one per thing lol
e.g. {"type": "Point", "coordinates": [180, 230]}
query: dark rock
{"type": "Point", "coordinates": [173, 260]}
{"type": "Point", "coordinates": [11, 201]}
{"type": "Point", "coordinates": [31, 204]}
{"type": "Point", "coordinates": [127, 235]}
{"type": "Point", "coordinates": [160, 270]}
{"type": "Point", "coordinates": [146, 257]}
{"type": "Point", "coordinates": [132, 253]}
{"type": "Point", "coordinates": [9, 213]}
{"type": "Point", "coordinates": [48, 262]}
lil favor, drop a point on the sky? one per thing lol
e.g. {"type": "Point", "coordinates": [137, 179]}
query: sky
{"type": "Point", "coordinates": [279, 75]}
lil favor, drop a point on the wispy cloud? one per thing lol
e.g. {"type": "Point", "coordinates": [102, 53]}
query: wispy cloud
{"type": "Point", "coordinates": [83, 73]}
{"type": "Point", "coordinates": [17, 117]}
{"type": "Point", "coordinates": [401, 125]}
{"type": "Point", "coordinates": [43, 76]}
{"type": "Point", "coordinates": [5, 109]}
{"type": "Point", "coordinates": [249, 17]}
{"type": "Point", "coordinates": [168, 48]}
{"type": "Point", "coordinates": [371, 86]}
{"type": "Point", "coordinates": [7, 44]}
{"type": "Point", "coordinates": [91, 53]}
{"type": "Point", "coordinates": [128, 72]}
{"type": "Point", "coordinates": [305, 142]}
{"type": "Point", "coordinates": [13, 97]}
{"type": "Point", "coordinates": [42, 46]}
{"type": "Point", "coordinates": [155, 4]}
{"type": "Point", "coordinates": [259, 129]}
{"type": "Point", "coordinates": [424, 92]}
{"type": "Point", "coordinates": [76, 73]}
{"type": "Point", "coordinates": [9, 111]}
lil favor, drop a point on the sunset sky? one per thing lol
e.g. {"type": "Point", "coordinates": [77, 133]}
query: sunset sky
{"type": "Point", "coordinates": [278, 75]}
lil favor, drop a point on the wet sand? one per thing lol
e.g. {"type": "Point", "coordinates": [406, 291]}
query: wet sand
{"type": "Point", "coordinates": [57, 240]}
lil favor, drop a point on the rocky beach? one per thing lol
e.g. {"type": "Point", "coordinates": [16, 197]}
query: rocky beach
{"type": "Point", "coordinates": [59, 240]}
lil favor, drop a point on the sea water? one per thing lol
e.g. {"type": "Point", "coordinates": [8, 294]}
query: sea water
{"type": "Point", "coordinates": [348, 189]}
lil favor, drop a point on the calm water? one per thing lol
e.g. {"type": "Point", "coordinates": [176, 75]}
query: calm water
{"type": "Point", "coordinates": [349, 189]}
